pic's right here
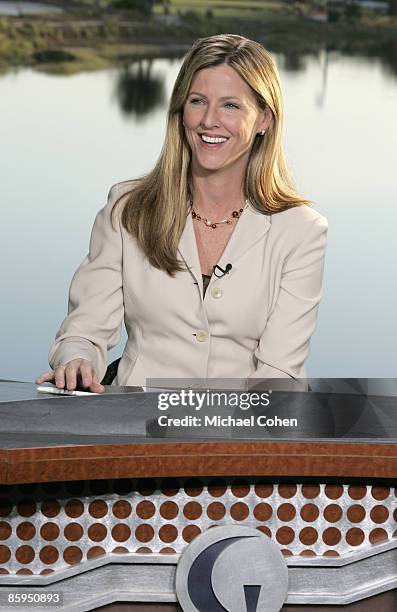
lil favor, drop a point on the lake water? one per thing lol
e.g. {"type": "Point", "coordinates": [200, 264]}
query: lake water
{"type": "Point", "coordinates": [13, 9]}
{"type": "Point", "coordinates": [66, 139]}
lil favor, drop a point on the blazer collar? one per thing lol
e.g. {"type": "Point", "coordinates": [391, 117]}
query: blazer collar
{"type": "Point", "coordinates": [251, 227]}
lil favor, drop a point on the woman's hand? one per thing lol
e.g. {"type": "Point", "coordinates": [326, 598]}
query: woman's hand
{"type": "Point", "coordinates": [76, 371]}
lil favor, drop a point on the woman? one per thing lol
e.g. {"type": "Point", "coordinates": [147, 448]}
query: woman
{"type": "Point", "coordinates": [212, 258]}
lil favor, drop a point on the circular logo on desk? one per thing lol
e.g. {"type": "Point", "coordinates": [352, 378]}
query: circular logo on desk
{"type": "Point", "coordinates": [232, 568]}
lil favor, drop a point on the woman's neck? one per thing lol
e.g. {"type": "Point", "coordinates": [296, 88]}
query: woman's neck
{"type": "Point", "coordinates": [217, 195]}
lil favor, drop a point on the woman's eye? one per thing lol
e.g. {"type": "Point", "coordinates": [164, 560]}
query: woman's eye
{"type": "Point", "coordinates": [199, 100]}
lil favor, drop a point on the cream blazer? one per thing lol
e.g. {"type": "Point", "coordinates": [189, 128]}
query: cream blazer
{"type": "Point", "coordinates": [255, 322]}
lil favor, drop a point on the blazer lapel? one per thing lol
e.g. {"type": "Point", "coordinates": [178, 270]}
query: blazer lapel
{"type": "Point", "coordinates": [188, 250]}
{"type": "Point", "coordinates": [251, 227]}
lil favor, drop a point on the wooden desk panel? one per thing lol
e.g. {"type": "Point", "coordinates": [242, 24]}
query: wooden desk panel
{"type": "Point", "coordinates": [306, 459]}
{"type": "Point", "coordinates": [45, 438]}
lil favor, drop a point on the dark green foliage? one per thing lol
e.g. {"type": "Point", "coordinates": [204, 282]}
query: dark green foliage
{"type": "Point", "coordinates": [53, 55]}
{"type": "Point", "coordinates": [353, 11]}
{"type": "Point", "coordinates": [392, 7]}
{"type": "Point", "coordinates": [333, 16]}
{"type": "Point", "coordinates": [142, 6]}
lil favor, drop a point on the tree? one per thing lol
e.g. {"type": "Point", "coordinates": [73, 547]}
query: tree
{"type": "Point", "coordinates": [142, 6]}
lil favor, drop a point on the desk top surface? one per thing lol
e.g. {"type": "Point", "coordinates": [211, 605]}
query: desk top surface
{"type": "Point", "coordinates": [117, 434]}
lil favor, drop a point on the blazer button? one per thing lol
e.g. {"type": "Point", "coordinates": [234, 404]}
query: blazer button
{"type": "Point", "coordinates": [201, 336]}
{"type": "Point", "coordinates": [216, 292]}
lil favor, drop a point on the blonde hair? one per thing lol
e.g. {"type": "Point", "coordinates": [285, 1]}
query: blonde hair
{"type": "Point", "coordinates": [155, 210]}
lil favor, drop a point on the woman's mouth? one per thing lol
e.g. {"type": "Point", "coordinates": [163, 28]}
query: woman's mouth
{"type": "Point", "coordinates": [214, 142]}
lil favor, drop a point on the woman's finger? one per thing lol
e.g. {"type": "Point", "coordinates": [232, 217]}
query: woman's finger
{"type": "Point", "coordinates": [96, 386]}
{"type": "Point", "coordinates": [45, 377]}
{"type": "Point", "coordinates": [59, 376]}
{"type": "Point", "coordinates": [86, 372]}
{"type": "Point", "coordinates": [71, 375]}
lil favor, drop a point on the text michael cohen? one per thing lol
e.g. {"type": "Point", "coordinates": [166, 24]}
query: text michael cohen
{"type": "Point", "coordinates": [227, 421]}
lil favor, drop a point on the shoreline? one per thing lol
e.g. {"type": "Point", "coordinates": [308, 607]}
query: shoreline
{"type": "Point", "coordinates": [72, 43]}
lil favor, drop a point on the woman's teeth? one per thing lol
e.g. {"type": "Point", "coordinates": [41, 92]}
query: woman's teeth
{"type": "Point", "coordinates": [212, 140]}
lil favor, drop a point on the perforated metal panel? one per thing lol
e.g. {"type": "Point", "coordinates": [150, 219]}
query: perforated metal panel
{"type": "Point", "coordinates": [45, 528]}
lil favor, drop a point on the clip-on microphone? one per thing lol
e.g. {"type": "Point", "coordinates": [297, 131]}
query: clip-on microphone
{"type": "Point", "coordinates": [223, 271]}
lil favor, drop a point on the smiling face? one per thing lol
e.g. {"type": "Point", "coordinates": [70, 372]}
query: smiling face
{"type": "Point", "coordinates": [220, 105]}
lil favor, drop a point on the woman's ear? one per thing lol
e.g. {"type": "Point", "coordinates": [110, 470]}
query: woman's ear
{"type": "Point", "coordinates": [267, 119]}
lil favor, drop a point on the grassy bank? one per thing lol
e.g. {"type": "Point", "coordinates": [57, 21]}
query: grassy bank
{"type": "Point", "coordinates": [87, 37]}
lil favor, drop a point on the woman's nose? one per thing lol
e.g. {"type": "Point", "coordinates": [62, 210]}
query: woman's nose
{"type": "Point", "coordinates": [210, 117]}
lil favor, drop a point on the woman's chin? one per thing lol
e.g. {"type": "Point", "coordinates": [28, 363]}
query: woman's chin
{"type": "Point", "coordinates": [208, 165]}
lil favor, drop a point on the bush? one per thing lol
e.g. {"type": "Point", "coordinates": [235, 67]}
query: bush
{"type": "Point", "coordinates": [333, 16]}
{"type": "Point", "coordinates": [142, 6]}
{"type": "Point", "coordinates": [191, 16]}
{"type": "Point", "coordinates": [53, 56]}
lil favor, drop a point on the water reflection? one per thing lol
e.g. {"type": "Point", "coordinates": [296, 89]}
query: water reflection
{"type": "Point", "coordinates": [17, 9]}
{"type": "Point", "coordinates": [139, 91]}
{"type": "Point", "coordinates": [294, 62]}
{"type": "Point", "coordinates": [388, 54]}
{"type": "Point", "coordinates": [385, 52]}
{"type": "Point", "coordinates": [320, 97]}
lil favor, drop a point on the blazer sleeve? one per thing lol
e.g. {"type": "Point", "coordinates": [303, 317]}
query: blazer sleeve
{"type": "Point", "coordinates": [284, 345]}
{"type": "Point", "coordinates": [96, 307]}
